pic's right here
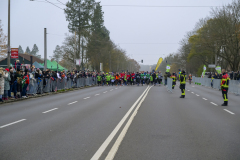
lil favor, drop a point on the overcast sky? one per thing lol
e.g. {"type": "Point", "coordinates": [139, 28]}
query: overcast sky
{"type": "Point", "coordinates": [144, 32]}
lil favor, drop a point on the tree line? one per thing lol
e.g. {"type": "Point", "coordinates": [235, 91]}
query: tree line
{"type": "Point", "coordinates": [89, 40]}
{"type": "Point", "coordinates": [214, 40]}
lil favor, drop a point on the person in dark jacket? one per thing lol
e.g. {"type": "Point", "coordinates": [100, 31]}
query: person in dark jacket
{"type": "Point", "coordinates": [12, 89]}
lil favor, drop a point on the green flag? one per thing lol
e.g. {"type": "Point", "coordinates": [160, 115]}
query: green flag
{"type": "Point", "coordinates": [168, 68]}
{"type": "Point", "coordinates": [218, 69]}
{"type": "Point", "coordinates": [204, 70]}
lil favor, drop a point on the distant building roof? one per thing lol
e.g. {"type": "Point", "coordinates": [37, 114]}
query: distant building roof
{"type": "Point", "coordinates": [27, 57]}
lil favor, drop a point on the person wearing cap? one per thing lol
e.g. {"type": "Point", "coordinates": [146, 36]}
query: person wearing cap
{"type": "Point", "coordinates": [108, 77]}
{"type": "Point", "coordinates": [173, 80]}
{"type": "Point", "coordinates": [224, 87]}
{"type": "Point", "coordinates": [182, 83]}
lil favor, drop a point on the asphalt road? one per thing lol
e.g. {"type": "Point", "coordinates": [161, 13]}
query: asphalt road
{"type": "Point", "coordinates": [122, 123]}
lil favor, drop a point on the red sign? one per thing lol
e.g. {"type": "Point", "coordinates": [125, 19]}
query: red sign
{"type": "Point", "coordinates": [14, 53]}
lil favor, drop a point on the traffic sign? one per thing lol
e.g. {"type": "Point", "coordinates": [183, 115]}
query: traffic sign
{"type": "Point", "coordinates": [14, 53]}
{"type": "Point", "coordinates": [211, 66]}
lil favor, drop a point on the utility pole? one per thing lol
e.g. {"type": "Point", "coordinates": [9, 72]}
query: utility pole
{"type": "Point", "coordinates": [8, 58]}
{"type": "Point", "coordinates": [45, 49]}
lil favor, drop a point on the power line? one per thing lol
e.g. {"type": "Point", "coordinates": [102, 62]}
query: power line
{"type": "Point", "coordinates": [158, 6]}
{"type": "Point", "coordinates": [147, 43]}
{"type": "Point", "coordinates": [43, 1]}
{"type": "Point", "coordinates": [54, 4]}
{"type": "Point", "coordinates": [61, 2]}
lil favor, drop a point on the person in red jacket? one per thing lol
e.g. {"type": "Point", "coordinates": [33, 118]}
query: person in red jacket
{"type": "Point", "coordinates": [132, 78]}
{"type": "Point", "coordinates": [26, 77]}
{"type": "Point", "coordinates": [122, 75]}
{"type": "Point", "coordinates": [128, 78]}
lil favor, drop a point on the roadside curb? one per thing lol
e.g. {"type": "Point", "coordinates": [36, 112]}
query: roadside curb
{"type": "Point", "coordinates": [45, 94]}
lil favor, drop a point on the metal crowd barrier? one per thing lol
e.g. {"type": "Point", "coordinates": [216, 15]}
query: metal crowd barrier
{"type": "Point", "coordinates": [169, 84]}
{"type": "Point", "coordinates": [46, 85]}
{"type": "Point", "coordinates": [234, 85]}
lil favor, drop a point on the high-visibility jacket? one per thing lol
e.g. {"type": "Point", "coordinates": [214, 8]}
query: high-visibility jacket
{"type": "Point", "coordinates": [190, 78]}
{"type": "Point", "coordinates": [99, 78]}
{"type": "Point", "coordinates": [225, 81]}
{"type": "Point", "coordinates": [173, 78]}
{"type": "Point", "coordinates": [125, 78]}
{"type": "Point", "coordinates": [112, 77]}
{"type": "Point", "coordinates": [182, 78]}
{"type": "Point", "coordinates": [108, 77]}
{"type": "Point", "coordinates": [151, 78]}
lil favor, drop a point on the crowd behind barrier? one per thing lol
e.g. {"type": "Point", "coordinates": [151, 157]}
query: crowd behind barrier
{"type": "Point", "coordinates": [40, 87]}
{"type": "Point", "coordinates": [234, 85]}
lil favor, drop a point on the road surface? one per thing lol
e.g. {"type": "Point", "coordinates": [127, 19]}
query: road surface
{"type": "Point", "coordinates": [122, 123]}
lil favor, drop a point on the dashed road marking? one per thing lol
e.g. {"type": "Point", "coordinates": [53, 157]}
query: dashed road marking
{"type": "Point", "coordinates": [105, 92]}
{"type": "Point", "coordinates": [116, 88]}
{"type": "Point", "coordinates": [97, 94]}
{"type": "Point", "coordinates": [197, 95]}
{"type": "Point", "coordinates": [192, 92]}
{"type": "Point", "coordinates": [228, 111]}
{"type": "Point", "coordinates": [9, 124]}
{"type": "Point", "coordinates": [204, 99]}
{"type": "Point", "coordinates": [50, 110]}
{"type": "Point", "coordinates": [86, 98]}
{"type": "Point", "coordinates": [214, 103]}
{"type": "Point", "coordinates": [105, 144]}
{"type": "Point", "coordinates": [111, 90]}
{"type": "Point", "coordinates": [72, 102]}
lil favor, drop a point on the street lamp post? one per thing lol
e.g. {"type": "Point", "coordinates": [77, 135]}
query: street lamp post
{"type": "Point", "coordinates": [8, 58]}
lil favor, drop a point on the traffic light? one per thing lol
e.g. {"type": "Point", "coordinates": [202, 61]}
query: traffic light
{"type": "Point", "coordinates": [141, 61]}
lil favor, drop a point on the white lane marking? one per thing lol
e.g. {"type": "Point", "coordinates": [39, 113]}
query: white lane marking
{"type": "Point", "coordinates": [86, 98]}
{"type": "Point", "coordinates": [9, 124]}
{"type": "Point", "coordinates": [192, 92]}
{"type": "Point", "coordinates": [116, 88]}
{"type": "Point", "coordinates": [50, 110]}
{"type": "Point", "coordinates": [116, 145]}
{"type": "Point", "coordinates": [228, 111]}
{"type": "Point", "coordinates": [197, 95]}
{"type": "Point", "coordinates": [204, 99]}
{"type": "Point", "coordinates": [214, 103]}
{"type": "Point", "coordinates": [111, 90]}
{"type": "Point", "coordinates": [102, 148]}
{"type": "Point", "coordinates": [72, 102]}
{"type": "Point", "coordinates": [105, 92]}
{"type": "Point", "coordinates": [97, 94]}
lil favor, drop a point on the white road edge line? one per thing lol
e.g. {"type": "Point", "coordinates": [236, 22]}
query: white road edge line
{"type": "Point", "coordinates": [228, 111]}
{"type": "Point", "coordinates": [72, 102]}
{"type": "Point", "coordinates": [97, 94]}
{"type": "Point", "coordinates": [116, 145]}
{"type": "Point", "coordinates": [197, 95]}
{"type": "Point", "coordinates": [102, 148]}
{"type": "Point", "coordinates": [86, 98]}
{"type": "Point", "coordinates": [9, 124]}
{"type": "Point", "coordinates": [204, 99]}
{"type": "Point", "coordinates": [50, 110]}
{"type": "Point", "coordinates": [214, 103]}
